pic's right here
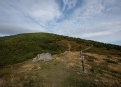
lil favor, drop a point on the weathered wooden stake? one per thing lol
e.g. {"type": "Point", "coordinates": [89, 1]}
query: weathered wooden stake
{"type": "Point", "coordinates": [81, 52]}
{"type": "Point", "coordinates": [69, 46]}
{"type": "Point", "coordinates": [82, 59]}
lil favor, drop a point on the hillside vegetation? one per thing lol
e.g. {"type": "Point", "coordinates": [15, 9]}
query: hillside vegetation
{"type": "Point", "coordinates": [21, 47]}
{"type": "Point", "coordinates": [102, 62]}
{"type": "Point", "coordinates": [64, 70]}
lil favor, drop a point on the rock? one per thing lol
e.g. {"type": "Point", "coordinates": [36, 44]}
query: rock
{"type": "Point", "coordinates": [43, 56]}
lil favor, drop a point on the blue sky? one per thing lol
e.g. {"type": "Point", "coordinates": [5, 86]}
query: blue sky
{"type": "Point", "coordinates": [98, 20]}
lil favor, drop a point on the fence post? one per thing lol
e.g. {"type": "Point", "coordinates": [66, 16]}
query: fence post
{"type": "Point", "coordinates": [69, 46]}
{"type": "Point", "coordinates": [83, 69]}
{"type": "Point", "coordinates": [82, 59]}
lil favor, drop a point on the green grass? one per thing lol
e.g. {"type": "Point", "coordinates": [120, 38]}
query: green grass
{"type": "Point", "coordinates": [91, 59]}
{"type": "Point", "coordinates": [21, 47]}
{"type": "Point", "coordinates": [79, 80]}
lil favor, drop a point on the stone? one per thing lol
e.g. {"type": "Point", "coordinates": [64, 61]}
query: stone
{"type": "Point", "coordinates": [43, 56]}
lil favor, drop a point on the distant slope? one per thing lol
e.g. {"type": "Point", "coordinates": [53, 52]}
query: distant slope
{"type": "Point", "coordinates": [21, 47]}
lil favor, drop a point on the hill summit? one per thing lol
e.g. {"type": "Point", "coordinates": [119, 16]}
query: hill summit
{"type": "Point", "coordinates": [65, 67]}
{"type": "Point", "coordinates": [21, 47]}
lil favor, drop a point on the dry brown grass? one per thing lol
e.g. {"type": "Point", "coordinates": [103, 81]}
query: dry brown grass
{"type": "Point", "coordinates": [54, 72]}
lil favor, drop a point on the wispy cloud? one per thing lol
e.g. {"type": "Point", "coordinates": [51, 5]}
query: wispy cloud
{"type": "Point", "coordinates": [11, 29]}
{"type": "Point", "coordinates": [89, 19]}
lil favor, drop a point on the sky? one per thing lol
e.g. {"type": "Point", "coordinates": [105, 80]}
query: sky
{"type": "Point", "coordinates": [98, 20]}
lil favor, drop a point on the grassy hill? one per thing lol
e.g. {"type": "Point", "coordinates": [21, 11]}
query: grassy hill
{"type": "Point", "coordinates": [102, 62]}
{"type": "Point", "coordinates": [18, 48]}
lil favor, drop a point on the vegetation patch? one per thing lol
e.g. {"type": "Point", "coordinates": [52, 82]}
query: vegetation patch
{"type": "Point", "coordinates": [64, 70]}
{"type": "Point", "coordinates": [21, 47]}
{"type": "Point", "coordinates": [119, 60]}
{"type": "Point", "coordinates": [112, 61]}
{"type": "Point", "coordinates": [91, 59]}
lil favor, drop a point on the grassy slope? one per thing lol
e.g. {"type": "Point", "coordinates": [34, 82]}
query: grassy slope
{"type": "Point", "coordinates": [18, 48]}
{"type": "Point", "coordinates": [63, 71]}
{"type": "Point", "coordinates": [102, 62]}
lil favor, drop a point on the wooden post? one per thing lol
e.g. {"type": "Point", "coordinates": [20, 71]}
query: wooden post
{"type": "Point", "coordinates": [82, 58]}
{"type": "Point", "coordinates": [81, 52]}
{"type": "Point", "coordinates": [69, 46]}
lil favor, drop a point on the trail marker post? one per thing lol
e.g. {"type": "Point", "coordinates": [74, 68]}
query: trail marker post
{"type": "Point", "coordinates": [82, 59]}
{"type": "Point", "coordinates": [69, 46]}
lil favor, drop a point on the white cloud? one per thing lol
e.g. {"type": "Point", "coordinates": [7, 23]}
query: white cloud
{"type": "Point", "coordinates": [104, 31]}
{"type": "Point", "coordinates": [93, 19]}
{"type": "Point", "coordinates": [95, 34]}
{"type": "Point", "coordinates": [89, 9]}
{"type": "Point", "coordinates": [69, 3]}
{"type": "Point", "coordinates": [92, 8]}
{"type": "Point", "coordinates": [30, 14]}
{"type": "Point", "coordinates": [45, 12]}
